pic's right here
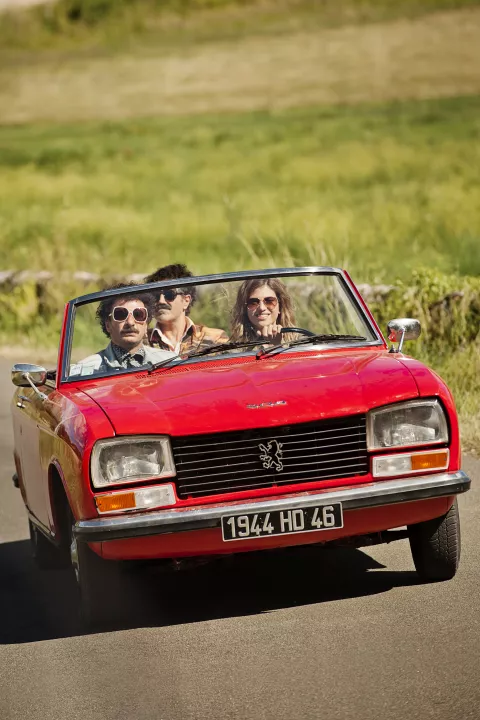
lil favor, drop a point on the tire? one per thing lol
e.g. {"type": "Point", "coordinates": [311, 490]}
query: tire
{"type": "Point", "coordinates": [435, 546]}
{"type": "Point", "coordinates": [100, 587]}
{"type": "Point", "coordinates": [47, 556]}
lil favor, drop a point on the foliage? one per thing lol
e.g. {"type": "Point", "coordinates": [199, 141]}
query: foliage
{"type": "Point", "coordinates": [448, 308]}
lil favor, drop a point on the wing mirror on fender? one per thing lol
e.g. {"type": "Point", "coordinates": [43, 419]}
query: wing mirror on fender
{"type": "Point", "coordinates": [26, 375]}
{"type": "Point", "coordinates": [402, 329]}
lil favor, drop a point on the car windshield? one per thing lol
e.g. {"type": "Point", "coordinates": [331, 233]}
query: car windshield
{"type": "Point", "coordinates": [162, 324]}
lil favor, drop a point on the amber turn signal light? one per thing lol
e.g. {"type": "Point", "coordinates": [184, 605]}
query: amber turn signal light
{"type": "Point", "coordinates": [408, 463]}
{"type": "Point", "coordinates": [119, 501]}
{"type": "Point", "coordinates": [156, 496]}
{"type": "Point", "coordinates": [430, 461]}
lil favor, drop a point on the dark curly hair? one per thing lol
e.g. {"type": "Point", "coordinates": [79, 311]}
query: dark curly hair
{"type": "Point", "coordinates": [106, 305]}
{"type": "Point", "coordinates": [174, 272]}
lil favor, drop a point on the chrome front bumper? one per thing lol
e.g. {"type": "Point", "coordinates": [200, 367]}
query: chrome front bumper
{"type": "Point", "coordinates": [159, 522]}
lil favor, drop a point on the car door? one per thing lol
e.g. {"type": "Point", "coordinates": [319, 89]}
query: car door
{"type": "Point", "coordinates": [33, 423]}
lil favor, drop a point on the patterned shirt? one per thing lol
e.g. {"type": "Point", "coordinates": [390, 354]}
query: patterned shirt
{"type": "Point", "coordinates": [195, 337]}
{"type": "Point", "coordinates": [127, 360]}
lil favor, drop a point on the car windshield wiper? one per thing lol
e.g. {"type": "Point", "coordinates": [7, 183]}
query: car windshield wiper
{"type": "Point", "coordinates": [311, 339]}
{"type": "Point", "coordinates": [162, 363]}
{"type": "Point", "coordinates": [218, 347]}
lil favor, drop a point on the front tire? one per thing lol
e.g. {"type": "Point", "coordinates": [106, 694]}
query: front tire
{"type": "Point", "coordinates": [100, 586]}
{"type": "Point", "coordinates": [46, 555]}
{"type": "Point", "coordinates": [435, 546]}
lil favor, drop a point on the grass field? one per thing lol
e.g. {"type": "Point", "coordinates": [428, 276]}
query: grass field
{"type": "Point", "coordinates": [434, 55]}
{"type": "Point", "coordinates": [71, 26]}
{"type": "Point", "coordinates": [380, 189]}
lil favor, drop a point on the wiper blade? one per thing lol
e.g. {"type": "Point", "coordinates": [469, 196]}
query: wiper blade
{"type": "Point", "coordinates": [162, 363]}
{"type": "Point", "coordinates": [226, 346]}
{"type": "Point", "coordinates": [311, 339]}
{"type": "Point", "coordinates": [218, 347]}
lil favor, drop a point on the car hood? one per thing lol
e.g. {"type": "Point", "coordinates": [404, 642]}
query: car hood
{"type": "Point", "coordinates": [206, 398]}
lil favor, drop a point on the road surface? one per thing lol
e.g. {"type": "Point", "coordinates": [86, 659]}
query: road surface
{"type": "Point", "coordinates": [339, 634]}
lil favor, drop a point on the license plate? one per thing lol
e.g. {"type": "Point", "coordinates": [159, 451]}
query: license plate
{"type": "Point", "coordinates": [289, 521]}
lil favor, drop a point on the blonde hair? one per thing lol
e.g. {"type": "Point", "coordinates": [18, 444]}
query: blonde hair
{"type": "Point", "coordinates": [242, 329]}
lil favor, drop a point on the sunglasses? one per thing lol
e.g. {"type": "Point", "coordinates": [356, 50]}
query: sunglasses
{"type": "Point", "coordinates": [171, 294]}
{"type": "Point", "coordinates": [120, 314]}
{"type": "Point", "coordinates": [270, 302]}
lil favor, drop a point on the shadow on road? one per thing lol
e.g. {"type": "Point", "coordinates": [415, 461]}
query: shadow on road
{"type": "Point", "coordinates": [36, 605]}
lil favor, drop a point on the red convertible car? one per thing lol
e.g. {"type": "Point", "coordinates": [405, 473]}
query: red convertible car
{"type": "Point", "coordinates": [300, 426]}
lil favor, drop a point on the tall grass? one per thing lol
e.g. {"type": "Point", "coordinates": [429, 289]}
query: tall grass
{"type": "Point", "coordinates": [378, 189]}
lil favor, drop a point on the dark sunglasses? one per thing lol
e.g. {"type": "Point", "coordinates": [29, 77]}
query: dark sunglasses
{"type": "Point", "coordinates": [170, 294]}
{"type": "Point", "coordinates": [120, 314]}
{"type": "Point", "coordinates": [269, 302]}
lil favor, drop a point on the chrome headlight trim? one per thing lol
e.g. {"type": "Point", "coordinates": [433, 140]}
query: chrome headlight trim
{"type": "Point", "coordinates": [162, 442]}
{"type": "Point", "coordinates": [432, 403]}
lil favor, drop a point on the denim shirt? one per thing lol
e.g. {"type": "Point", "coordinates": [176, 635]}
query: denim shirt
{"type": "Point", "coordinates": [108, 359]}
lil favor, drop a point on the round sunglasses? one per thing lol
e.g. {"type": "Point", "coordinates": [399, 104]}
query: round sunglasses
{"type": "Point", "coordinates": [170, 294]}
{"type": "Point", "coordinates": [120, 314]}
{"type": "Point", "coordinates": [270, 302]}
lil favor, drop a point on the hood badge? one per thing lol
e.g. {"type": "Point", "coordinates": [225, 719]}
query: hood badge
{"type": "Point", "coordinates": [266, 404]}
{"type": "Point", "coordinates": [271, 455]}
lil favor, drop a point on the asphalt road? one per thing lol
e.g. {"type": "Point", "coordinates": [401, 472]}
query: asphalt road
{"type": "Point", "coordinates": [285, 636]}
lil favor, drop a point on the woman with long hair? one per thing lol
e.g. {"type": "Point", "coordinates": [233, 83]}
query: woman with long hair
{"type": "Point", "coordinates": [262, 308]}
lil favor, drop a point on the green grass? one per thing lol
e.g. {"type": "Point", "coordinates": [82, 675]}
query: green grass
{"type": "Point", "coordinates": [378, 189]}
{"type": "Point", "coordinates": [461, 371]}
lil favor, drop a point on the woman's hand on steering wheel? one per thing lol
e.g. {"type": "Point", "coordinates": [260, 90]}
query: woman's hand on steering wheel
{"type": "Point", "coordinates": [271, 333]}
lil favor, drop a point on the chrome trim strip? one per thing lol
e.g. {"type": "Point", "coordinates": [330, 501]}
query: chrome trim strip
{"type": "Point", "coordinates": [385, 492]}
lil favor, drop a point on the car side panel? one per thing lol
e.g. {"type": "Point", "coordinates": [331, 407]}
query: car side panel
{"type": "Point", "coordinates": [68, 425]}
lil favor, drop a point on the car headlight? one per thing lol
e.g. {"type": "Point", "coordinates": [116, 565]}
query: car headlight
{"type": "Point", "coordinates": [131, 459]}
{"type": "Point", "coordinates": [416, 422]}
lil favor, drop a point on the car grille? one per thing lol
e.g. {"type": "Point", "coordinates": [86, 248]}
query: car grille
{"type": "Point", "coordinates": [232, 462]}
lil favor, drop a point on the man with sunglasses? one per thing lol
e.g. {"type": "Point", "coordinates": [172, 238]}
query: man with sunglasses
{"type": "Point", "coordinates": [124, 320]}
{"type": "Point", "coordinates": [174, 329]}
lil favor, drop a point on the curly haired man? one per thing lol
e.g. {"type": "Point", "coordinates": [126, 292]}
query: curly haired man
{"type": "Point", "coordinates": [174, 329]}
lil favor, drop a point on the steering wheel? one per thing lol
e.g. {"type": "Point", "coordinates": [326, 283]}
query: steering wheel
{"type": "Point", "coordinates": [300, 330]}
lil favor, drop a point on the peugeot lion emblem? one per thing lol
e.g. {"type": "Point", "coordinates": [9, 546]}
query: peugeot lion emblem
{"type": "Point", "coordinates": [272, 455]}
{"type": "Point", "coordinates": [266, 404]}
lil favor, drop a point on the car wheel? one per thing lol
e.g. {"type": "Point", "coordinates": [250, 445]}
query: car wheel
{"type": "Point", "coordinates": [435, 546]}
{"type": "Point", "coordinates": [46, 555]}
{"type": "Point", "coordinates": [100, 586]}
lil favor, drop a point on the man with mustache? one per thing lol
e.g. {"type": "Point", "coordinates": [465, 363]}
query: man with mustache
{"type": "Point", "coordinates": [174, 329]}
{"type": "Point", "coordinates": [123, 319]}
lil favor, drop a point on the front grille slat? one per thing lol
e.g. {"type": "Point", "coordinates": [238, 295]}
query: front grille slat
{"type": "Point", "coordinates": [271, 436]}
{"type": "Point", "coordinates": [284, 477]}
{"type": "Point", "coordinates": [250, 486]}
{"type": "Point", "coordinates": [318, 463]}
{"type": "Point", "coordinates": [230, 462]}
{"type": "Point", "coordinates": [228, 459]}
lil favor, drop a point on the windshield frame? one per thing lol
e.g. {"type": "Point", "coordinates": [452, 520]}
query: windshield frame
{"type": "Point", "coordinates": [70, 311]}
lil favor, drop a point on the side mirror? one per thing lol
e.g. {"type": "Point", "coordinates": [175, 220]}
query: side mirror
{"type": "Point", "coordinates": [26, 375]}
{"type": "Point", "coordinates": [402, 329]}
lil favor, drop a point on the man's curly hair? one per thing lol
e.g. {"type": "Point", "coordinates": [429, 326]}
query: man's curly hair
{"type": "Point", "coordinates": [174, 272]}
{"type": "Point", "coordinates": [106, 305]}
